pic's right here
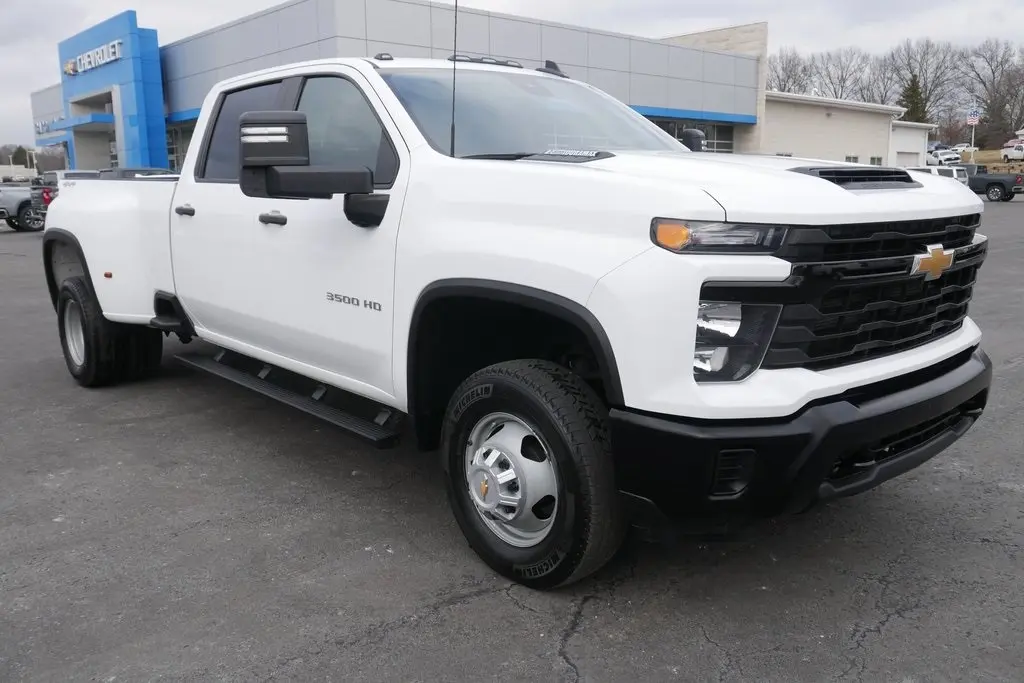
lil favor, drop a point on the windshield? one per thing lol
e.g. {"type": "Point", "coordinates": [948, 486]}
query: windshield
{"type": "Point", "coordinates": [518, 112]}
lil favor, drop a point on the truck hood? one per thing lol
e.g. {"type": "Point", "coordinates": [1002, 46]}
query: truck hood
{"type": "Point", "coordinates": [768, 189]}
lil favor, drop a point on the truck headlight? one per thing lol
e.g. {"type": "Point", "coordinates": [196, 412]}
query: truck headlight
{"type": "Point", "coordinates": [706, 237]}
{"type": "Point", "coordinates": [731, 339]}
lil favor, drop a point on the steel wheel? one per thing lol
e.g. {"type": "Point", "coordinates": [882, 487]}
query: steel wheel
{"type": "Point", "coordinates": [74, 332]}
{"type": "Point", "coordinates": [512, 479]}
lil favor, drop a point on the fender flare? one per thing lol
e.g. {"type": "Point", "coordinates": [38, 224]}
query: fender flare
{"type": "Point", "coordinates": [53, 236]}
{"type": "Point", "coordinates": [542, 301]}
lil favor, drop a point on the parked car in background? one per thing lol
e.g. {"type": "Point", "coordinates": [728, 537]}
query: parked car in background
{"type": "Point", "coordinates": [933, 146]}
{"type": "Point", "coordinates": [1012, 152]}
{"type": "Point", "coordinates": [48, 186]}
{"type": "Point", "coordinates": [943, 157]}
{"type": "Point", "coordinates": [957, 172]}
{"type": "Point", "coordinates": [962, 147]}
{"type": "Point", "coordinates": [997, 187]}
{"type": "Point", "coordinates": [16, 208]}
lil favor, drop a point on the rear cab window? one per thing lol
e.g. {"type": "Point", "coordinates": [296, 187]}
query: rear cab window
{"type": "Point", "coordinates": [220, 163]}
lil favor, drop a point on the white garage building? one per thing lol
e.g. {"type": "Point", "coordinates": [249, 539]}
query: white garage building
{"type": "Point", "coordinates": [841, 130]}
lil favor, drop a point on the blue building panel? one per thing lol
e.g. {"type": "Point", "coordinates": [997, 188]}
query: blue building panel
{"type": "Point", "coordinates": [115, 62]}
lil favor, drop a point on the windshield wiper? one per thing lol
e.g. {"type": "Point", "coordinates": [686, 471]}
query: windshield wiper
{"type": "Point", "coordinates": [506, 156]}
{"type": "Point", "coordinates": [571, 155]}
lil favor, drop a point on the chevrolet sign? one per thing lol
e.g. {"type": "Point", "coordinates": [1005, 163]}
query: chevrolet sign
{"type": "Point", "coordinates": [105, 54]}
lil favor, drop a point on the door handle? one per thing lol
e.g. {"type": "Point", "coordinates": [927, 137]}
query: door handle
{"type": "Point", "coordinates": [273, 218]}
{"type": "Point", "coordinates": [185, 210]}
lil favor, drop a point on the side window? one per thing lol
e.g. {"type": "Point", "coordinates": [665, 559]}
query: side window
{"type": "Point", "coordinates": [344, 129]}
{"type": "Point", "coordinates": [222, 149]}
{"type": "Point", "coordinates": [948, 172]}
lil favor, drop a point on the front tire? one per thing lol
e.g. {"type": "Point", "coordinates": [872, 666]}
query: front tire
{"type": "Point", "coordinates": [99, 352]}
{"type": "Point", "coordinates": [994, 193]}
{"type": "Point", "coordinates": [530, 473]}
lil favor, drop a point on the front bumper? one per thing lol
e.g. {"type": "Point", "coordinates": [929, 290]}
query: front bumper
{"type": "Point", "coordinates": [670, 467]}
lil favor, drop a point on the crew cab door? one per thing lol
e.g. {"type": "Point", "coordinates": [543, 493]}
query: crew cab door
{"type": "Point", "coordinates": [295, 280]}
{"type": "Point", "coordinates": [334, 300]}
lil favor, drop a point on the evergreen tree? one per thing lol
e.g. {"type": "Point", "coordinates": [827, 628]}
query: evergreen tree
{"type": "Point", "coordinates": [912, 98]}
{"type": "Point", "coordinates": [20, 157]}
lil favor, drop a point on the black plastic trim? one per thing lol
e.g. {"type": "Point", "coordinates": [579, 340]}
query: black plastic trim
{"type": "Point", "coordinates": [670, 461]}
{"type": "Point", "coordinates": [183, 326]}
{"type": "Point", "coordinates": [537, 299]}
{"type": "Point", "coordinates": [51, 236]}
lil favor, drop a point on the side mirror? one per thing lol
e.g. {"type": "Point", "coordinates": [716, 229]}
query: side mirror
{"type": "Point", "coordinates": [695, 140]}
{"type": "Point", "coordinates": [274, 160]}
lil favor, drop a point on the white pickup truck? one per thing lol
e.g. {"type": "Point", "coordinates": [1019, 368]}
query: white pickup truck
{"type": "Point", "coordinates": [595, 326]}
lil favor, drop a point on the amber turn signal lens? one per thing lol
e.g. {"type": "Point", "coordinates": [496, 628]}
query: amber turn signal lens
{"type": "Point", "coordinates": [672, 236]}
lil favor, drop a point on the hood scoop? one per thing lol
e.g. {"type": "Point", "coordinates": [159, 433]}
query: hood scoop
{"type": "Point", "coordinates": [861, 178]}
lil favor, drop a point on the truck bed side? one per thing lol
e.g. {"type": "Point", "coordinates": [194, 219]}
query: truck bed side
{"type": "Point", "coordinates": [122, 229]}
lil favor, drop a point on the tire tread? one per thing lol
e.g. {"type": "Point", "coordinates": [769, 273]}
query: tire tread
{"type": "Point", "coordinates": [583, 416]}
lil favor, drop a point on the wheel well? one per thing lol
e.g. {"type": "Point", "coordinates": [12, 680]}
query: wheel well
{"type": "Point", "coordinates": [62, 258]}
{"type": "Point", "coordinates": [460, 329]}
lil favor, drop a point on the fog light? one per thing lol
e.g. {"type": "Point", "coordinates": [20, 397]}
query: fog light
{"type": "Point", "coordinates": [710, 358]}
{"type": "Point", "coordinates": [731, 339]}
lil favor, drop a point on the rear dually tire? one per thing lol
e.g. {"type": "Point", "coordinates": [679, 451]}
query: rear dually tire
{"type": "Point", "coordinates": [99, 352]}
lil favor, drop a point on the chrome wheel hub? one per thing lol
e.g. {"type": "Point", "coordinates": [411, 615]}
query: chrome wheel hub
{"type": "Point", "coordinates": [512, 479]}
{"type": "Point", "coordinates": [74, 332]}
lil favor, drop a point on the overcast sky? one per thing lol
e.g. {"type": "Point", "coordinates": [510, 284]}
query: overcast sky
{"type": "Point", "coordinates": [31, 29]}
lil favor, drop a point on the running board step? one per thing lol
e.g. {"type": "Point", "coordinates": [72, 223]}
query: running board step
{"type": "Point", "coordinates": [382, 433]}
{"type": "Point", "coordinates": [166, 323]}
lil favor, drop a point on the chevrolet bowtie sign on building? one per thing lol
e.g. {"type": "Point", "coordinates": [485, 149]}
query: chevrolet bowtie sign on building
{"type": "Point", "coordinates": [111, 52]}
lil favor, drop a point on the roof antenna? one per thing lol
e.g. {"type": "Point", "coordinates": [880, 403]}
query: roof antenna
{"type": "Point", "coordinates": [455, 51]}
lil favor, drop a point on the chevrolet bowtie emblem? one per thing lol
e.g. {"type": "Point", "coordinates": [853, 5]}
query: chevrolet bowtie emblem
{"type": "Point", "coordinates": [483, 488]}
{"type": "Point", "coordinates": [933, 264]}
{"type": "Point", "coordinates": [70, 68]}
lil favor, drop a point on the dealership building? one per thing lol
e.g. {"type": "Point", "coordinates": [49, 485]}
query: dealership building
{"type": "Point", "coordinates": [126, 100]}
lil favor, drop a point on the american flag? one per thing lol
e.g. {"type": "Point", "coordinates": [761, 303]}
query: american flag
{"type": "Point", "coordinates": [973, 117]}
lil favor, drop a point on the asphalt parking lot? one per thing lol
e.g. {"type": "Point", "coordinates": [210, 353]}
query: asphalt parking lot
{"type": "Point", "coordinates": [184, 529]}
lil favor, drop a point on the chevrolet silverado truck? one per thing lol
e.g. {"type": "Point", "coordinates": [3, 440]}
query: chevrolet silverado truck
{"type": "Point", "coordinates": [997, 187]}
{"type": "Point", "coordinates": [592, 325]}
{"type": "Point", "coordinates": [16, 208]}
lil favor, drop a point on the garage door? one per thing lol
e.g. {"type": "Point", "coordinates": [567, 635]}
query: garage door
{"type": "Point", "coordinates": [908, 159]}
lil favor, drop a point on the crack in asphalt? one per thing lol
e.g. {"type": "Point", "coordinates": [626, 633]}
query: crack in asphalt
{"type": "Point", "coordinates": [906, 603]}
{"type": "Point", "coordinates": [575, 620]}
{"type": "Point", "coordinates": [570, 630]}
{"type": "Point", "coordinates": [729, 662]}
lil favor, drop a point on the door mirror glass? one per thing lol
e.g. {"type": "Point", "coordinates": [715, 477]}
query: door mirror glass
{"type": "Point", "coordinates": [274, 160]}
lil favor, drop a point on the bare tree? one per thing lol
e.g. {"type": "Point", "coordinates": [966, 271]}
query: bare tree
{"type": "Point", "coordinates": [838, 73]}
{"type": "Point", "coordinates": [937, 65]}
{"type": "Point", "coordinates": [992, 78]}
{"type": "Point", "coordinates": [881, 81]}
{"type": "Point", "coordinates": [789, 71]}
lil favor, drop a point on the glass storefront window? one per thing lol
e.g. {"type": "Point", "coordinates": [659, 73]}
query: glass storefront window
{"type": "Point", "coordinates": [719, 135]}
{"type": "Point", "coordinates": [178, 138]}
